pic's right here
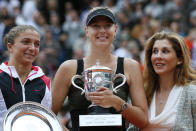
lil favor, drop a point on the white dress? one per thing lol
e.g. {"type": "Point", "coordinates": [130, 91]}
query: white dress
{"type": "Point", "coordinates": [166, 119]}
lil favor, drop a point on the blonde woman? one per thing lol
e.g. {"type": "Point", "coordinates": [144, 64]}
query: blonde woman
{"type": "Point", "coordinates": [101, 29]}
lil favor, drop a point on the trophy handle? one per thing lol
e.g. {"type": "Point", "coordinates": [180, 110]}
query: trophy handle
{"type": "Point", "coordinates": [124, 80]}
{"type": "Point", "coordinates": [72, 81]}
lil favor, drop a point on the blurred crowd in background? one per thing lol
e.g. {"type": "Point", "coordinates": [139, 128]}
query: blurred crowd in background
{"type": "Point", "coordinates": [61, 25]}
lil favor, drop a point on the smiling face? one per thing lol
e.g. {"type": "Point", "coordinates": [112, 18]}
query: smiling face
{"type": "Point", "coordinates": [101, 31]}
{"type": "Point", "coordinates": [163, 58]}
{"type": "Point", "coordinates": [25, 48]}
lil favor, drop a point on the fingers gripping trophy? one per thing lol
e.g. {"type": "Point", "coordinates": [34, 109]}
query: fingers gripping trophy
{"type": "Point", "coordinates": [95, 77]}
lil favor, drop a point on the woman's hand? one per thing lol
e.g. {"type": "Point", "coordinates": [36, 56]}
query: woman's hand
{"type": "Point", "coordinates": [65, 129]}
{"type": "Point", "coordinates": [102, 97]}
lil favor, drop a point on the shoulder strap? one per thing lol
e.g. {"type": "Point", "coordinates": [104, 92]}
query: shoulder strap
{"type": "Point", "coordinates": [120, 65]}
{"type": "Point", "coordinates": [80, 66]}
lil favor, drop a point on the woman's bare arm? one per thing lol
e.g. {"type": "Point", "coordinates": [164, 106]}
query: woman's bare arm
{"type": "Point", "coordinates": [62, 81]}
{"type": "Point", "coordinates": [137, 114]}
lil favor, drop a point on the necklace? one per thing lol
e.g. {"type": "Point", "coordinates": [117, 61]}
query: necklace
{"type": "Point", "coordinates": [161, 101]}
{"type": "Point", "coordinates": [162, 97]}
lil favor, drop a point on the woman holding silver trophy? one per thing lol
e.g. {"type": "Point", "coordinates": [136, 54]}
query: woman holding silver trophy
{"type": "Point", "coordinates": [101, 75]}
{"type": "Point", "coordinates": [20, 81]}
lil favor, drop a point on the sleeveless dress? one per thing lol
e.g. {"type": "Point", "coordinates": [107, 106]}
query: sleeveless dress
{"type": "Point", "coordinates": [79, 104]}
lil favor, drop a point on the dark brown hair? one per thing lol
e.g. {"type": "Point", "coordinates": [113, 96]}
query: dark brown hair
{"type": "Point", "coordinates": [15, 31]}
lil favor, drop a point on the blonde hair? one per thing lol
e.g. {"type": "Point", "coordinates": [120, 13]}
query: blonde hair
{"type": "Point", "coordinates": [184, 73]}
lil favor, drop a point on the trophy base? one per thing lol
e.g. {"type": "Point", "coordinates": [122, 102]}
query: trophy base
{"type": "Point", "coordinates": [95, 110]}
{"type": "Point", "coordinates": [100, 119]}
{"type": "Point", "coordinates": [104, 122]}
{"type": "Point", "coordinates": [101, 128]}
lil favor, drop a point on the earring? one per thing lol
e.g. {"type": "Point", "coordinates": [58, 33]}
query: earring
{"type": "Point", "coordinates": [179, 62]}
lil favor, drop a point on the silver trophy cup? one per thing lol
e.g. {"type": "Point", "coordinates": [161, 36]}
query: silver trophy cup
{"type": "Point", "coordinates": [95, 77]}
